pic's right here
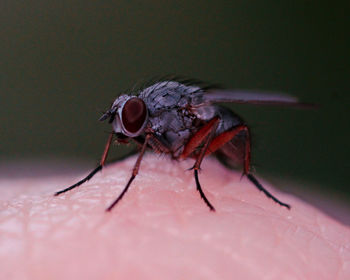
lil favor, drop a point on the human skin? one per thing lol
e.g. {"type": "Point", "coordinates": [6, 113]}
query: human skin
{"type": "Point", "coordinates": [162, 229]}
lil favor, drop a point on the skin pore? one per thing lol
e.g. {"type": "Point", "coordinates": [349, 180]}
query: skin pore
{"type": "Point", "coordinates": [162, 229]}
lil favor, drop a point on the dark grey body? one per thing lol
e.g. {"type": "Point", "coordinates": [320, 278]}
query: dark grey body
{"type": "Point", "coordinates": [177, 112]}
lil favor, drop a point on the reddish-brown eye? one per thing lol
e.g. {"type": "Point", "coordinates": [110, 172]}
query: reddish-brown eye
{"type": "Point", "coordinates": [134, 114]}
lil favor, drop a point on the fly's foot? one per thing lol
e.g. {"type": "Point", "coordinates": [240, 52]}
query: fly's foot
{"type": "Point", "coordinates": [194, 167]}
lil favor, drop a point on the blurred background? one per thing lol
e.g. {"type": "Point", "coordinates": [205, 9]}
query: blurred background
{"type": "Point", "coordinates": [63, 62]}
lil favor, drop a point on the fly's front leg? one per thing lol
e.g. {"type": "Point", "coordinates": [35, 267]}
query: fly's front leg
{"type": "Point", "coordinates": [93, 172]}
{"type": "Point", "coordinates": [135, 171]}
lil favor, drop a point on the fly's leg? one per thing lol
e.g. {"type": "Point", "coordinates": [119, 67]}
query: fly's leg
{"type": "Point", "coordinates": [199, 137]}
{"type": "Point", "coordinates": [204, 135]}
{"type": "Point", "coordinates": [199, 160]}
{"type": "Point", "coordinates": [158, 146]}
{"type": "Point", "coordinates": [223, 138]}
{"type": "Point", "coordinates": [93, 172]}
{"type": "Point", "coordinates": [199, 188]}
{"type": "Point", "coordinates": [252, 178]}
{"type": "Point", "coordinates": [261, 188]}
{"type": "Point", "coordinates": [135, 171]}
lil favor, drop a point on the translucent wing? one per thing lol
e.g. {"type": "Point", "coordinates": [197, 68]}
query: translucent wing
{"type": "Point", "coordinates": [246, 97]}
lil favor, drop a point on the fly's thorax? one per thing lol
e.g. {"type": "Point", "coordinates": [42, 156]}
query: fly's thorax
{"type": "Point", "coordinates": [173, 127]}
{"type": "Point", "coordinates": [167, 95]}
{"type": "Point", "coordinates": [131, 115]}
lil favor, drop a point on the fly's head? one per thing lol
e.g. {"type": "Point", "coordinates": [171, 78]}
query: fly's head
{"type": "Point", "coordinates": [128, 115]}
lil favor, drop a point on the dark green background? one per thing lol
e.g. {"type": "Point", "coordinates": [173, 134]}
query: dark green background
{"type": "Point", "coordinates": [63, 62]}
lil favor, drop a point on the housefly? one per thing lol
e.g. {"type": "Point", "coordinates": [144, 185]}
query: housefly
{"type": "Point", "coordinates": [182, 118]}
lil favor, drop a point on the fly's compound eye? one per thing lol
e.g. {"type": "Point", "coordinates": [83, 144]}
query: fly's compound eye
{"type": "Point", "coordinates": [134, 115]}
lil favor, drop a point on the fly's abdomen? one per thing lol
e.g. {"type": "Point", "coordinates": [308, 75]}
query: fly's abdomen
{"type": "Point", "coordinates": [232, 153]}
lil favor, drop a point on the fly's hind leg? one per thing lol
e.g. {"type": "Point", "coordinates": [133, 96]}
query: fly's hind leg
{"type": "Point", "coordinates": [251, 177]}
{"type": "Point", "coordinates": [261, 188]}
{"type": "Point", "coordinates": [223, 138]}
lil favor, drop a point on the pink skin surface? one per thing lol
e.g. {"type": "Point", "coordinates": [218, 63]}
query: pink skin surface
{"type": "Point", "coordinates": [162, 229]}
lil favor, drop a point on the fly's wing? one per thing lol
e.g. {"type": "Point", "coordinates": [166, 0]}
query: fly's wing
{"type": "Point", "coordinates": [246, 97]}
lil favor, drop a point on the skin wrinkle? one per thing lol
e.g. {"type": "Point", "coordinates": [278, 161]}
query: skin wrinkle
{"type": "Point", "coordinates": [162, 222]}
